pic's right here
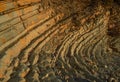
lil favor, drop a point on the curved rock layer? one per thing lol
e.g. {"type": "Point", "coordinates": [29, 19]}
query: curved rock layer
{"type": "Point", "coordinates": [59, 41]}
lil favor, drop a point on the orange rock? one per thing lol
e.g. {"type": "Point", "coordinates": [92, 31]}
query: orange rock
{"type": "Point", "coordinates": [3, 40]}
{"type": "Point", "coordinates": [2, 6]}
{"type": "Point", "coordinates": [1, 76]}
{"type": "Point", "coordinates": [24, 73]}
{"type": "Point", "coordinates": [1, 73]}
{"type": "Point", "coordinates": [83, 20]}
{"type": "Point", "coordinates": [24, 2]}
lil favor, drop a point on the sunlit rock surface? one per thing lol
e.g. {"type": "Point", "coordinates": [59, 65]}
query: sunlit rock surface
{"type": "Point", "coordinates": [59, 41]}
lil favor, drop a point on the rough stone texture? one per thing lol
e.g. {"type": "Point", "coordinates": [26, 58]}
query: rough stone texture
{"type": "Point", "coordinates": [59, 41]}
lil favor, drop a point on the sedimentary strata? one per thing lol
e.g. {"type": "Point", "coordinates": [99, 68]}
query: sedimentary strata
{"type": "Point", "coordinates": [59, 41]}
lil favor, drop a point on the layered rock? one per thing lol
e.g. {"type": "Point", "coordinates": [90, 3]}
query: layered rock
{"type": "Point", "coordinates": [59, 41]}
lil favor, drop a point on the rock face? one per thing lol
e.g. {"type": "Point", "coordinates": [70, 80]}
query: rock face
{"type": "Point", "coordinates": [59, 41]}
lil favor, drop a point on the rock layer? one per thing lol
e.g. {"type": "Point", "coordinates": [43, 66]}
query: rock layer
{"type": "Point", "coordinates": [59, 41]}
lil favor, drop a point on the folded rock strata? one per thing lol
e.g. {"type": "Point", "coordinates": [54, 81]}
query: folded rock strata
{"type": "Point", "coordinates": [59, 41]}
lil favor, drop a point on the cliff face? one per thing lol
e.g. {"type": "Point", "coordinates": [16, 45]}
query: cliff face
{"type": "Point", "coordinates": [59, 41]}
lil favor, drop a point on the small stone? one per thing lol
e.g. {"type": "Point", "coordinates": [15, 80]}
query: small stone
{"type": "Point", "coordinates": [106, 66]}
{"type": "Point", "coordinates": [23, 73]}
{"type": "Point", "coordinates": [112, 80]}
{"type": "Point", "coordinates": [67, 77]}
{"type": "Point", "coordinates": [94, 81]}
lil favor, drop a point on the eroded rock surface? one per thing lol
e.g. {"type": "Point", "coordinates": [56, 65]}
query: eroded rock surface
{"type": "Point", "coordinates": [59, 41]}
